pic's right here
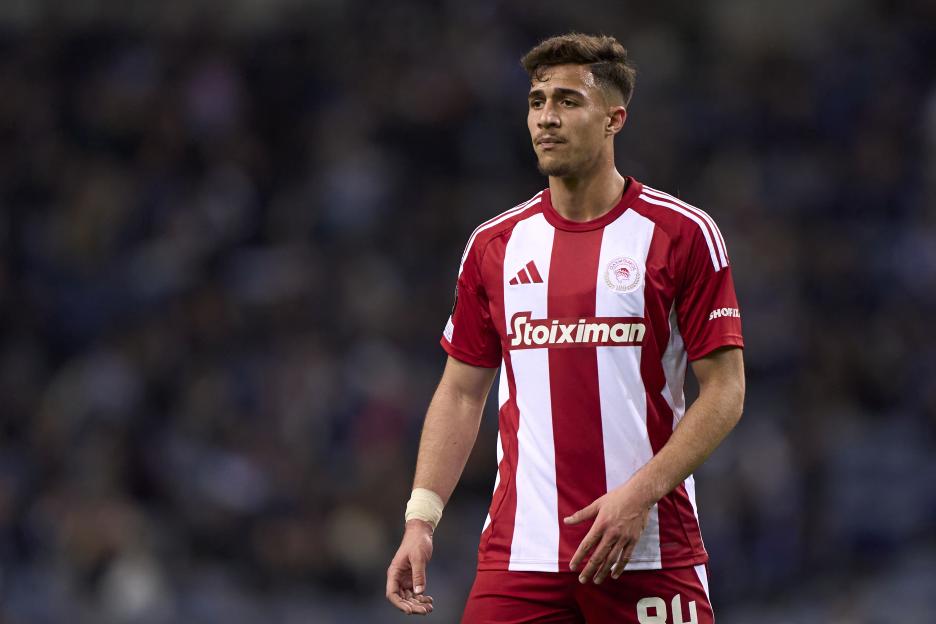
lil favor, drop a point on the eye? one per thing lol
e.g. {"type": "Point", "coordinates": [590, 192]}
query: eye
{"type": "Point", "coordinates": [569, 103]}
{"type": "Point", "coordinates": [535, 104]}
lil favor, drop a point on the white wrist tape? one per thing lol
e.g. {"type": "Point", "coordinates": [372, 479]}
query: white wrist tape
{"type": "Point", "coordinates": [424, 505]}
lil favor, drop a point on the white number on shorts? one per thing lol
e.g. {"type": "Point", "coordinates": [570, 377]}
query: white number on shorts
{"type": "Point", "coordinates": [659, 607]}
{"type": "Point", "coordinates": [659, 611]}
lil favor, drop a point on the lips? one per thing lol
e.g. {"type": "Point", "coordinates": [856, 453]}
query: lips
{"type": "Point", "coordinates": [549, 141]}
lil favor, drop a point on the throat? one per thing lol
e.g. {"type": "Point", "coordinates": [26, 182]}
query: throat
{"type": "Point", "coordinates": [582, 201]}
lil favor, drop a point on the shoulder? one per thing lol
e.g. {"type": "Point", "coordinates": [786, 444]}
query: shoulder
{"type": "Point", "coordinates": [686, 225]}
{"type": "Point", "coordinates": [501, 224]}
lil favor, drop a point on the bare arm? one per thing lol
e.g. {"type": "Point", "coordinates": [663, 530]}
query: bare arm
{"type": "Point", "coordinates": [706, 423]}
{"type": "Point", "coordinates": [449, 433]}
{"type": "Point", "coordinates": [451, 426]}
{"type": "Point", "coordinates": [621, 515]}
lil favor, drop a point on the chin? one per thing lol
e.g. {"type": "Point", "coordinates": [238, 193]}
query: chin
{"type": "Point", "coordinates": [554, 168]}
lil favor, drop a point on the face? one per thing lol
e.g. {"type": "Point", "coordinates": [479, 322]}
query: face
{"type": "Point", "coordinates": [571, 121]}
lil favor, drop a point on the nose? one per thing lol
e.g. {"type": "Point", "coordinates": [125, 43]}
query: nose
{"type": "Point", "coordinates": [548, 117]}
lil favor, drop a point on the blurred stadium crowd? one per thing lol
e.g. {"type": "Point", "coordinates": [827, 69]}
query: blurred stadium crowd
{"type": "Point", "coordinates": [228, 242]}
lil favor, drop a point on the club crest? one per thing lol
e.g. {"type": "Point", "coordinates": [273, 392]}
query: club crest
{"type": "Point", "coordinates": [622, 275]}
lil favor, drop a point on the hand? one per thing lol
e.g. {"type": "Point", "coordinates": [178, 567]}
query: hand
{"type": "Point", "coordinates": [619, 521]}
{"type": "Point", "coordinates": [406, 576]}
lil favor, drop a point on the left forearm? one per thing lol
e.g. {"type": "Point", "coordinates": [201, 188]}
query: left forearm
{"type": "Point", "coordinates": [705, 425]}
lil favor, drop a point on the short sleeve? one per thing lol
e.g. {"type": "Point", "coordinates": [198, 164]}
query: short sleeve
{"type": "Point", "coordinates": [469, 335]}
{"type": "Point", "coordinates": [706, 305]}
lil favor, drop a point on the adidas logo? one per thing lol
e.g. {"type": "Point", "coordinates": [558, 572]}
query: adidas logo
{"type": "Point", "coordinates": [527, 275]}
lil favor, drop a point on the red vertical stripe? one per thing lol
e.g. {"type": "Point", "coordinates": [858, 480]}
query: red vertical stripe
{"type": "Point", "coordinates": [494, 550]}
{"type": "Point", "coordinates": [679, 532]}
{"type": "Point", "coordinates": [683, 510]}
{"type": "Point", "coordinates": [495, 543]}
{"type": "Point", "coordinates": [524, 278]}
{"type": "Point", "coordinates": [573, 382]}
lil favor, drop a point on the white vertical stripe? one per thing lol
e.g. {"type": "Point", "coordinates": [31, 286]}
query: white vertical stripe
{"type": "Point", "coordinates": [535, 543]}
{"type": "Point", "coordinates": [449, 331]}
{"type": "Point", "coordinates": [496, 220]}
{"type": "Point", "coordinates": [690, 492]}
{"type": "Point", "coordinates": [626, 438]}
{"type": "Point", "coordinates": [719, 240]}
{"type": "Point", "coordinates": [674, 371]}
{"type": "Point", "coordinates": [703, 578]}
{"type": "Point", "coordinates": [500, 458]}
{"type": "Point", "coordinates": [692, 216]}
{"type": "Point", "coordinates": [503, 389]}
{"type": "Point", "coordinates": [628, 236]}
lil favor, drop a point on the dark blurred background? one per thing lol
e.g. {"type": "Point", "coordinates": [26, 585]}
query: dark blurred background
{"type": "Point", "coordinates": [228, 243]}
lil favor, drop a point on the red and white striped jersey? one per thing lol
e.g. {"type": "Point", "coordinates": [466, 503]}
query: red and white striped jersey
{"type": "Point", "coordinates": [592, 324]}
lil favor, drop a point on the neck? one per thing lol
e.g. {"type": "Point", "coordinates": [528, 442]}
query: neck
{"type": "Point", "coordinates": [587, 197]}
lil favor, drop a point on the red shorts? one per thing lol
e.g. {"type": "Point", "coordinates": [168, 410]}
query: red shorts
{"type": "Point", "coordinates": [674, 596]}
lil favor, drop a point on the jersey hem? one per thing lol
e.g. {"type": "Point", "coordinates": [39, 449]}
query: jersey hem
{"type": "Point", "coordinates": [460, 355]}
{"type": "Point", "coordinates": [542, 565]}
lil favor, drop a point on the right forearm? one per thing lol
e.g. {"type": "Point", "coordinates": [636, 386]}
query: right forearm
{"type": "Point", "coordinates": [448, 436]}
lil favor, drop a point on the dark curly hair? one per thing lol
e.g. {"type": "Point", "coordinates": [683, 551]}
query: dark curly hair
{"type": "Point", "coordinates": [606, 58]}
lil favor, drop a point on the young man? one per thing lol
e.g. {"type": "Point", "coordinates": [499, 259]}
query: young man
{"type": "Point", "coordinates": [590, 297]}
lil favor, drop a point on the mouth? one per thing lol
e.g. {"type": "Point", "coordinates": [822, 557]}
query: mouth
{"type": "Point", "coordinates": [549, 142]}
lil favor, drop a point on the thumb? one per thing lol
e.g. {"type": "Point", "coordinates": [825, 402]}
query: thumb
{"type": "Point", "coordinates": [419, 574]}
{"type": "Point", "coordinates": [583, 514]}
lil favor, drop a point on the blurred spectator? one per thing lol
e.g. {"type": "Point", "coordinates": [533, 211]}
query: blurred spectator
{"type": "Point", "coordinates": [228, 245]}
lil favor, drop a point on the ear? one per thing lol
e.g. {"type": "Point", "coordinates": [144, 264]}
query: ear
{"type": "Point", "coordinates": [617, 115]}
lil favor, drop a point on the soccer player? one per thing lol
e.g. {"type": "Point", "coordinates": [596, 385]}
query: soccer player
{"type": "Point", "coordinates": [590, 297]}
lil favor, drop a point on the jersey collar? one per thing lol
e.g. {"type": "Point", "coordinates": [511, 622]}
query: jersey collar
{"type": "Point", "coordinates": [632, 189]}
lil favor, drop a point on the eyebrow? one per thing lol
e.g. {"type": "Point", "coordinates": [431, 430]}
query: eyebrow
{"type": "Point", "coordinates": [558, 91]}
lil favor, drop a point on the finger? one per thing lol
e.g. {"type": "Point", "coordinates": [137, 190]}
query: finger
{"type": "Point", "coordinates": [587, 544]}
{"type": "Point", "coordinates": [417, 604]}
{"type": "Point", "coordinates": [617, 568]}
{"type": "Point", "coordinates": [607, 566]}
{"type": "Point", "coordinates": [393, 585]}
{"type": "Point", "coordinates": [394, 592]}
{"type": "Point", "coordinates": [400, 603]}
{"type": "Point", "coordinates": [596, 560]}
{"type": "Point", "coordinates": [416, 608]}
{"type": "Point", "coordinates": [419, 574]}
{"type": "Point", "coordinates": [624, 557]}
{"type": "Point", "coordinates": [582, 514]}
